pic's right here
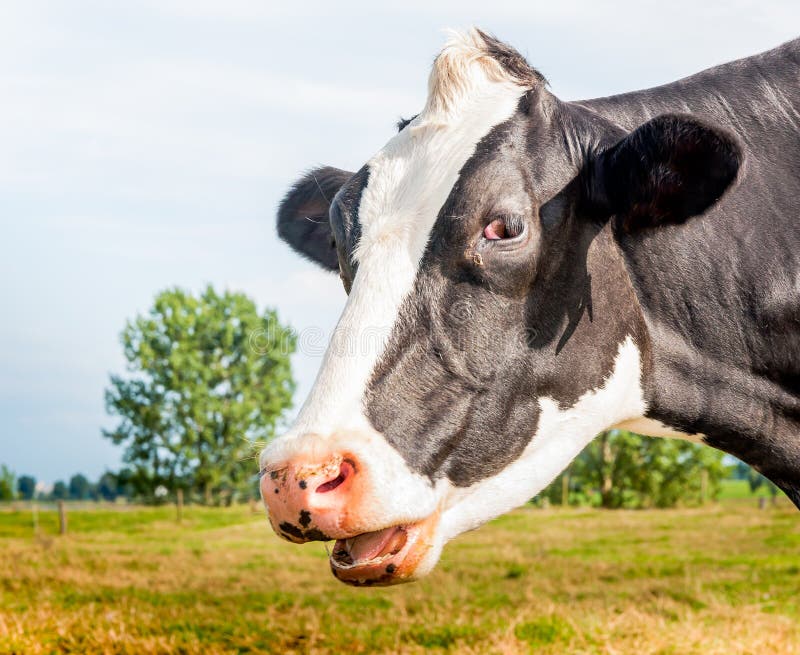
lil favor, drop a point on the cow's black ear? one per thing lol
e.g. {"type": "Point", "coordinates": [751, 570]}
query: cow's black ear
{"type": "Point", "coordinates": [303, 215]}
{"type": "Point", "coordinates": [669, 169]}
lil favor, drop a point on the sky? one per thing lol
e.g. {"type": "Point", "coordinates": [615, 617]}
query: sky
{"type": "Point", "coordinates": [146, 144]}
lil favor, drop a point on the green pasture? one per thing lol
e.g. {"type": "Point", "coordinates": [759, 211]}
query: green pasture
{"type": "Point", "coordinates": [723, 579]}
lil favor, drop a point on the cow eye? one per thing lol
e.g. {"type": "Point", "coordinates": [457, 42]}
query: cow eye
{"type": "Point", "coordinates": [504, 227]}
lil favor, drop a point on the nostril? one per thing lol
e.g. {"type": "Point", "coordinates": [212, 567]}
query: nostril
{"type": "Point", "coordinates": [345, 470]}
{"type": "Point", "coordinates": [330, 485]}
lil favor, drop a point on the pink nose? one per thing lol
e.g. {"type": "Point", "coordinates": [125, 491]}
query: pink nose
{"type": "Point", "coordinates": [309, 501]}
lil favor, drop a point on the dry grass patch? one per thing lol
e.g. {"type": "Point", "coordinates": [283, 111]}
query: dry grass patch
{"type": "Point", "coordinates": [712, 581]}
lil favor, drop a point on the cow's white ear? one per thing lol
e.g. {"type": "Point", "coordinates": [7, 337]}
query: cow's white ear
{"type": "Point", "coordinates": [671, 168]}
{"type": "Point", "coordinates": [303, 215]}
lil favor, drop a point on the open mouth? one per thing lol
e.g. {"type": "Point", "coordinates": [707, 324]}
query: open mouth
{"type": "Point", "coordinates": [383, 557]}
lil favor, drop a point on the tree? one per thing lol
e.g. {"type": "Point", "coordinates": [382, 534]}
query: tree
{"type": "Point", "coordinates": [7, 483]}
{"type": "Point", "coordinates": [207, 377]}
{"type": "Point", "coordinates": [26, 486]}
{"type": "Point", "coordinates": [60, 491]}
{"type": "Point", "coordinates": [108, 486]}
{"type": "Point", "coordinates": [125, 486]}
{"type": "Point", "coordinates": [622, 469]}
{"type": "Point", "coordinates": [755, 481]}
{"type": "Point", "coordinates": [79, 487]}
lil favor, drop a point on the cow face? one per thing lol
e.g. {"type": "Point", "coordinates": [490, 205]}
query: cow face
{"type": "Point", "coordinates": [490, 329]}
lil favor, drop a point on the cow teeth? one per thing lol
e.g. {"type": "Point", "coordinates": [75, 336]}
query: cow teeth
{"type": "Point", "coordinates": [363, 562]}
{"type": "Point", "coordinates": [349, 544]}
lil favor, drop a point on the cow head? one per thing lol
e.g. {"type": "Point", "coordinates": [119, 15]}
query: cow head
{"type": "Point", "coordinates": [491, 329]}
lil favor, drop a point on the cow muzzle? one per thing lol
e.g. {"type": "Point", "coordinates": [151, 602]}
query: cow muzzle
{"type": "Point", "coordinates": [313, 501]}
{"type": "Point", "coordinates": [396, 554]}
{"type": "Point", "coordinates": [334, 498]}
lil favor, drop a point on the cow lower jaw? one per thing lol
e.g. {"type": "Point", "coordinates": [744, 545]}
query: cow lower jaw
{"type": "Point", "coordinates": [399, 553]}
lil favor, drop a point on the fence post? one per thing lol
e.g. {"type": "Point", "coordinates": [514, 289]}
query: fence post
{"type": "Point", "coordinates": [565, 490]}
{"type": "Point", "coordinates": [35, 510]}
{"type": "Point", "coordinates": [179, 504]}
{"type": "Point", "coordinates": [62, 517]}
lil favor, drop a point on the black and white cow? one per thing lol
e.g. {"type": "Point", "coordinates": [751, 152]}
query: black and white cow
{"type": "Point", "coordinates": [524, 273]}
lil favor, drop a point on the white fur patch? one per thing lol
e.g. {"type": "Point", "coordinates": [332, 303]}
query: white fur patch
{"type": "Point", "coordinates": [560, 437]}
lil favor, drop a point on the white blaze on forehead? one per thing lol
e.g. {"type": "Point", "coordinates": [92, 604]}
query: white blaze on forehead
{"type": "Point", "coordinates": [409, 182]}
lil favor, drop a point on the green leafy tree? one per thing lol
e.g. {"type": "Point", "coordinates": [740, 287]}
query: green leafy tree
{"type": "Point", "coordinates": [26, 486]}
{"type": "Point", "coordinates": [79, 487]}
{"type": "Point", "coordinates": [108, 486]}
{"type": "Point", "coordinates": [741, 471]}
{"type": "Point", "coordinates": [125, 486]}
{"type": "Point", "coordinates": [207, 377]}
{"type": "Point", "coordinates": [621, 469]}
{"type": "Point", "coordinates": [755, 481]}
{"type": "Point", "coordinates": [7, 483]}
{"type": "Point", "coordinates": [60, 491]}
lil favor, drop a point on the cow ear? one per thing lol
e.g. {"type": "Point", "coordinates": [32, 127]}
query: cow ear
{"type": "Point", "coordinates": [303, 215]}
{"type": "Point", "coordinates": [669, 169]}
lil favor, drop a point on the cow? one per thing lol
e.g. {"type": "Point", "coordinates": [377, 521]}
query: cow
{"type": "Point", "coordinates": [524, 273]}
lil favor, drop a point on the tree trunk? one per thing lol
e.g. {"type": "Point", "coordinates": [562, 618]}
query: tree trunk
{"type": "Point", "coordinates": [606, 468]}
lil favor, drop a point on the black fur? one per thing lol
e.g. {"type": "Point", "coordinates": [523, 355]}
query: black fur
{"type": "Point", "coordinates": [512, 61]}
{"type": "Point", "coordinates": [721, 293]}
{"type": "Point", "coordinates": [303, 215]}
{"type": "Point", "coordinates": [666, 171]}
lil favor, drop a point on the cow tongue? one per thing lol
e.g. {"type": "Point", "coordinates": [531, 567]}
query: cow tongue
{"type": "Point", "coordinates": [371, 545]}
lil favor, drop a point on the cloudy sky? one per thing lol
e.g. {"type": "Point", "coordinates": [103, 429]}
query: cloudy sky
{"type": "Point", "coordinates": [146, 144]}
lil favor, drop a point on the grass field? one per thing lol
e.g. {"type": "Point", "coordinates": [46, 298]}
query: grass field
{"type": "Point", "coordinates": [740, 490]}
{"type": "Point", "coordinates": [724, 579]}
